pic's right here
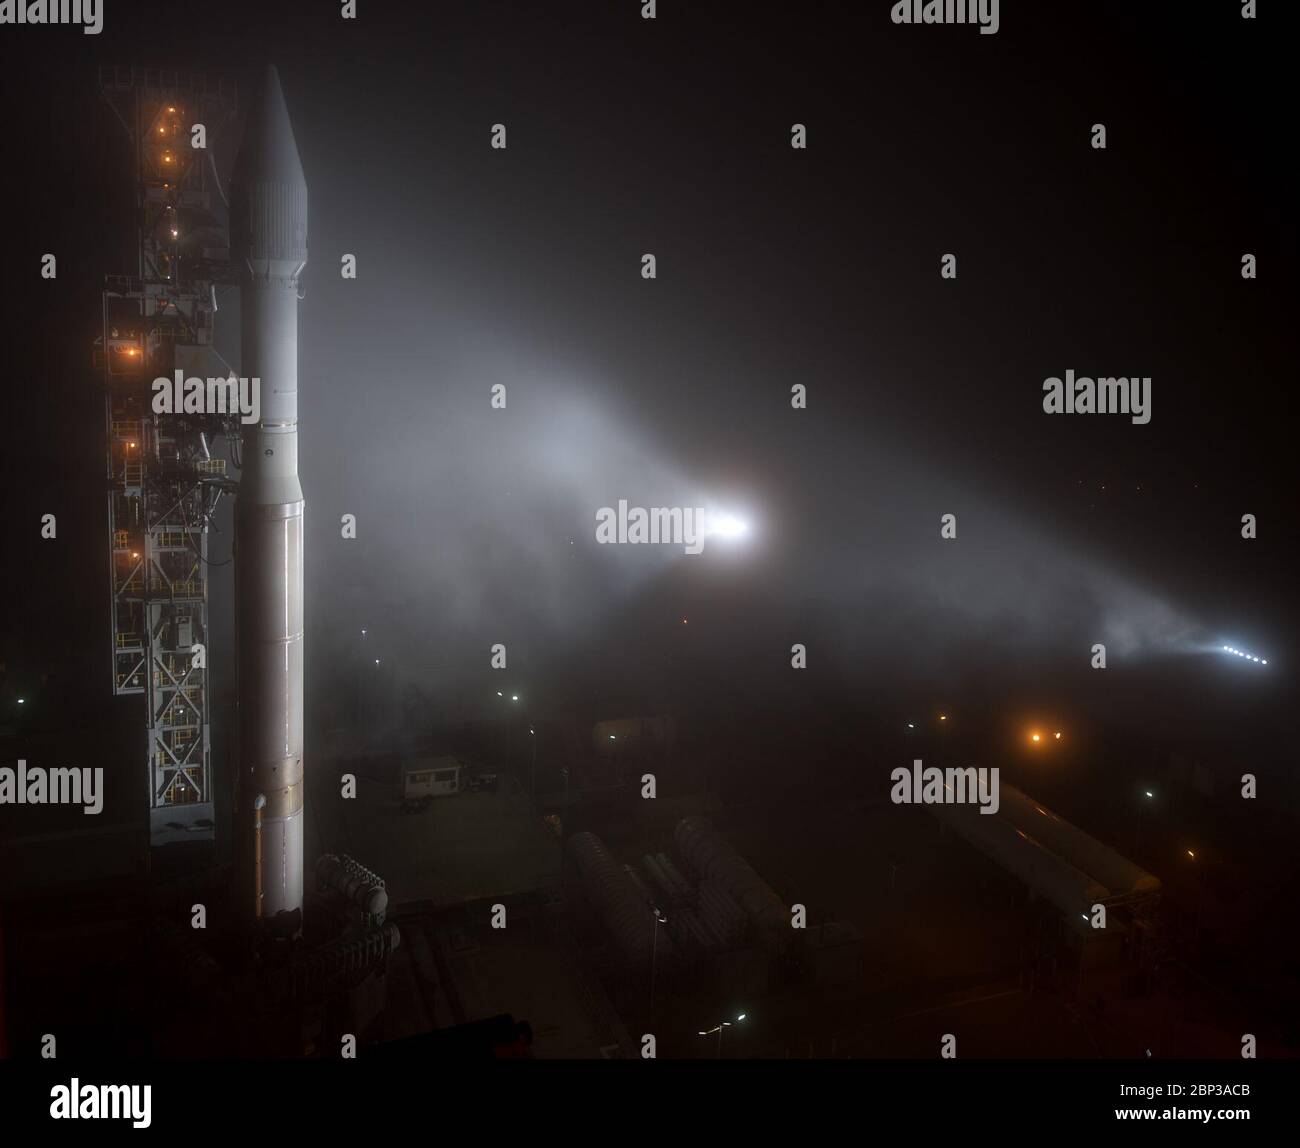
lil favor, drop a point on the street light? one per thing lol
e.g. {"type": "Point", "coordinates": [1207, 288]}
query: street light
{"type": "Point", "coordinates": [1150, 796]}
{"type": "Point", "coordinates": [719, 1028]}
{"type": "Point", "coordinates": [660, 919]}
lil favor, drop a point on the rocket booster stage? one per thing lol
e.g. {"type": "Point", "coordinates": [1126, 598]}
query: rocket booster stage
{"type": "Point", "coordinates": [268, 237]}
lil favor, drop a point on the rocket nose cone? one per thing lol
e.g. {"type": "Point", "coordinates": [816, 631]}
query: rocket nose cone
{"type": "Point", "coordinates": [268, 153]}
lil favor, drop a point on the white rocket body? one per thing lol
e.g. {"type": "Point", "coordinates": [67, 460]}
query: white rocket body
{"type": "Point", "coordinates": [269, 247]}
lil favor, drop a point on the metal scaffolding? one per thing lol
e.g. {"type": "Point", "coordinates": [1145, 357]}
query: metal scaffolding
{"type": "Point", "coordinates": [164, 485]}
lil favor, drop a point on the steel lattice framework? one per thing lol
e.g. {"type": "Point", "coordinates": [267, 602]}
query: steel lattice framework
{"type": "Point", "coordinates": [163, 482]}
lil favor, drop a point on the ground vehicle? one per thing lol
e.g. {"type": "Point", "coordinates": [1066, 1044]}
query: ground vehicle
{"type": "Point", "coordinates": [422, 780]}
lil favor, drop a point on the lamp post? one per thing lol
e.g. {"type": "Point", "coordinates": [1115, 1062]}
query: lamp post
{"type": "Point", "coordinates": [723, 1025]}
{"type": "Point", "coordinates": [533, 734]}
{"type": "Point", "coordinates": [1147, 795]}
{"type": "Point", "coordinates": [361, 661]}
{"type": "Point", "coordinates": [660, 919]}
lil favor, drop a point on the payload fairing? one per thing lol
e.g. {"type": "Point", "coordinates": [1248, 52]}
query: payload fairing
{"type": "Point", "coordinates": [268, 236]}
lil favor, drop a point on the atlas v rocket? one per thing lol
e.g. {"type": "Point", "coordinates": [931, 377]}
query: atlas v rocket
{"type": "Point", "coordinates": [268, 238]}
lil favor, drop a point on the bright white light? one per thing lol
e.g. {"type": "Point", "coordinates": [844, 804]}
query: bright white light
{"type": "Point", "coordinates": [729, 526]}
{"type": "Point", "coordinates": [1243, 654]}
{"type": "Point", "coordinates": [722, 524]}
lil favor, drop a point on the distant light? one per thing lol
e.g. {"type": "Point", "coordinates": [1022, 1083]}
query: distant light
{"type": "Point", "coordinates": [742, 1016]}
{"type": "Point", "coordinates": [1243, 654]}
{"type": "Point", "coordinates": [376, 661]}
{"type": "Point", "coordinates": [21, 701]}
{"type": "Point", "coordinates": [1058, 735]}
{"type": "Point", "coordinates": [514, 697]}
{"type": "Point", "coordinates": [1148, 793]}
{"type": "Point", "coordinates": [910, 726]}
{"type": "Point", "coordinates": [532, 731]}
{"type": "Point", "coordinates": [500, 694]}
{"type": "Point", "coordinates": [1036, 738]}
{"type": "Point", "coordinates": [1191, 854]}
{"type": "Point", "coordinates": [943, 717]}
{"type": "Point", "coordinates": [611, 737]}
{"type": "Point", "coordinates": [723, 524]}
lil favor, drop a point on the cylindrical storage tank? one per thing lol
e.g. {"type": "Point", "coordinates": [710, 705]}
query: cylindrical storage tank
{"type": "Point", "coordinates": [712, 858]}
{"type": "Point", "coordinates": [1072, 844]}
{"type": "Point", "coordinates": [664, 890]}
{"type": "Point", "coordinates": [1057, 881]}
{"type": "Point", "coordinates": [354, 881]}
{"type": "Point", "coordinates": [620, 906]}
{"type": "Point", "coordinates": [671, 872]}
